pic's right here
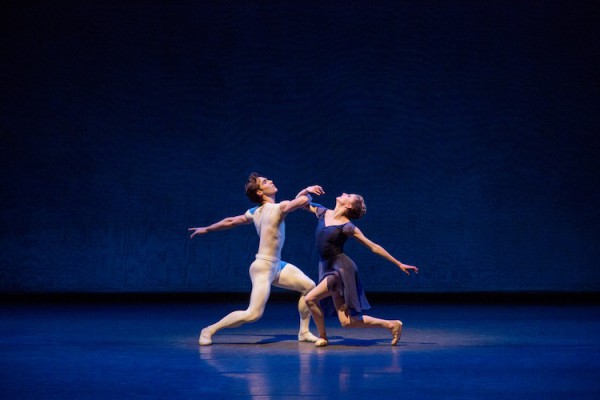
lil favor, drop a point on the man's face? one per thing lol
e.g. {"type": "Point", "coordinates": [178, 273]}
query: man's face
{"type": "Point", "coordinates": [266, 186]}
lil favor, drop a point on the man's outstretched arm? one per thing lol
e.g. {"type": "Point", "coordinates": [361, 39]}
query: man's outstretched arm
{"type": "Point", "coordinates": [225, 223]}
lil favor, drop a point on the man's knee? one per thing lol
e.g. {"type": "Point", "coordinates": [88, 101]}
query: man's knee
{"type": "Point", "coordinates": [308, 286]}
{"type": "Point", "coordinates": [253, 315]}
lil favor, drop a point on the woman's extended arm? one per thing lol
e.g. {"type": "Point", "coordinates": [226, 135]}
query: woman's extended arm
{"type": "Point", "coordinates": [378, 249]}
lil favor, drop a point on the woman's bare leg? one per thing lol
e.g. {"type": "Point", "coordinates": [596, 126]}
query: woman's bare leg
{"type": "Point", "coordinates": [312, 301]}
{"type": "Point", "coordinates": [366, 321]}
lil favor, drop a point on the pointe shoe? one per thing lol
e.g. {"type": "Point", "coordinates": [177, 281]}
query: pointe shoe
{"type": "Point", "coordinates": [307, 337]}
{"type": "Point", "coordinates": [321, 342]}
{"type": "Point", "coordinates": [205, 338]}
{"type": "Point", "coordinates": [396, 332]}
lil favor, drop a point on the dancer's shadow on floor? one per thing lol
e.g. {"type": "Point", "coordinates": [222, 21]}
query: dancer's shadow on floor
{"type": "Point", "coordinates": [333, 341]}
{"type": "Point", "coordinates": [338, 341]}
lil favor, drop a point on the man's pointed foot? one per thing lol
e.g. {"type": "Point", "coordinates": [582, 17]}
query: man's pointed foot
{"type": "Point", "coordinates": [205, 338]}
{"type": "Point", "coordinates": [307, 337]}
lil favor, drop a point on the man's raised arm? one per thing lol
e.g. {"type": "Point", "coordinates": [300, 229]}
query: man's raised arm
{"type": "Point", "coordinates": [302, 198]}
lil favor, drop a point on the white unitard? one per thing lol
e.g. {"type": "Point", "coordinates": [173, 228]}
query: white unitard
{"type": "Point", "coordinates": [268, 269]}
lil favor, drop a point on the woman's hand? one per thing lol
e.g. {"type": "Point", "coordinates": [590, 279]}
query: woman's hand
{"type": "Point", "coordinates": [316, 189]}
{"type": "Point", "coordinates": [407, 268]}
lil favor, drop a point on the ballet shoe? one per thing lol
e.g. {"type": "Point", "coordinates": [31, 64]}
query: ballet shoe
{"type": "Point", "coordinates": [307, 337]}
{"type": "Point", "coordinates": [396, 332]}
{"type": "Point", "coordinates": [321, 342]}
{"type": "Point", "coordinates": [205, 338]}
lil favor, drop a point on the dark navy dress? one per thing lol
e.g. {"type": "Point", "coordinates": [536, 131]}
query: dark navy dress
{"type": "Point", "coordinates": [339, 269]}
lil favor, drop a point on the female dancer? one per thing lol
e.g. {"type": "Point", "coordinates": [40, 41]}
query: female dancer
{"type": "Point", "coordinates": [338, 275]}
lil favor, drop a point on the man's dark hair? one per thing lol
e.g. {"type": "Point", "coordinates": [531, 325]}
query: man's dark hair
{"type": "Point", "coordinates": [252, 186]}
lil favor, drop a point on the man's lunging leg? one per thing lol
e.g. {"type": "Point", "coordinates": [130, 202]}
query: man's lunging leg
{"type": "Point", "coordinates": [292, 278]}
{"type": "Point", "coordinates": [261, 275]}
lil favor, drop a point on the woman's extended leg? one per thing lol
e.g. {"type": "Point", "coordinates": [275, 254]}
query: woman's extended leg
{"type": "Point", "coordinates": [366, 321]}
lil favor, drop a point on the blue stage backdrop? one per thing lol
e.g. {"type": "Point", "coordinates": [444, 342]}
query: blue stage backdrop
{"type": "Point", "coordinates": [470, 127]}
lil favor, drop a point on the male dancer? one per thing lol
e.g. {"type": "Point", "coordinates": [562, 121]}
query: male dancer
{"type": "Point", "coordinates": [267, 268]}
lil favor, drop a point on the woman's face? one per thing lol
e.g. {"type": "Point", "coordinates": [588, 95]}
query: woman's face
{"type": "Point", "coordinates": [346, 199]}
{"type": "Point", "coordinates": [353, 204]}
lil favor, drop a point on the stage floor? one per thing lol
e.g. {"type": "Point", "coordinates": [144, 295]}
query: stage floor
{"type": "Point", "coordinates": [150, 351]}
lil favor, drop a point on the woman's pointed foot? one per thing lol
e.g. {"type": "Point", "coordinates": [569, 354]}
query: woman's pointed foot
{"type": "Point", "coordinates": [321, 342]}
{"type": "Point", "coordinates": [396, 332]}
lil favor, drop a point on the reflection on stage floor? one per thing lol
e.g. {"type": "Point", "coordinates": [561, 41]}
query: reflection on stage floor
{"type": "Point", "coordinates": [134, 350]}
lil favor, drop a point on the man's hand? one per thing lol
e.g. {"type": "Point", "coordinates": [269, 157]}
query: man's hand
{"type": "Point", "coordinates": [197, 231]}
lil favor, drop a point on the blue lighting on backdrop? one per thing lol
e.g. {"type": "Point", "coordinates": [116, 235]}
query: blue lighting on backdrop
{"type": "Point", "coordinates": [470, 128]}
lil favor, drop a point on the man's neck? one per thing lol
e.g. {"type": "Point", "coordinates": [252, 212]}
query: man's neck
{"type": "Point", "coordinates": [268, 199]}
